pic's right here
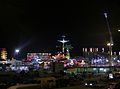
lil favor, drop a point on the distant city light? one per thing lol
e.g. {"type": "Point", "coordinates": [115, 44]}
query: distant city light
{"type": "Point", "coordinates": [119, 30]}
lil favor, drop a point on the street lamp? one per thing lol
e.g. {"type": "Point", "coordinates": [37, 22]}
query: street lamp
{"type": "Point", "coordinates": [110, 40]}
{"type": "Point", "coordinates": [17, 51]}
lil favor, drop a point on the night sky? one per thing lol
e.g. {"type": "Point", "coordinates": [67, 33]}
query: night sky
{"type": "Point", "coordinates": [36, 25]}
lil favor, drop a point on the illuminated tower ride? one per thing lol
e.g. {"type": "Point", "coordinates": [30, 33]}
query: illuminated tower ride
{"type": "Point", "coordinates": [68, 47]}
{"type": "Point", "coordinates": [110, 39]}
{"type": "Point", "coordinates": [63, 41]}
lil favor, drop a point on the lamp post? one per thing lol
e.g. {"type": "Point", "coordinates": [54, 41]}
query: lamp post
{"type": "Point", "coordinates": [110, 40]}
{"type": "Point", "coordinates": [17, 51]}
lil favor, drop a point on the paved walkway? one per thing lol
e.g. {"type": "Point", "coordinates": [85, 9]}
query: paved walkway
{"type": "Point", "coordinates": [74, 87]}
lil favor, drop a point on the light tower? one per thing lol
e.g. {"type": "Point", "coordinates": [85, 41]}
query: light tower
{"type": "Point", "coordinates": [110, 40]}
{"type": "Point", "coordinates": [63, 41]}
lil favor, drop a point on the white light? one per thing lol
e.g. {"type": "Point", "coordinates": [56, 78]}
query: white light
{"type": "Point", "coordinates": [118, 60]}
{"type": "Point", "coordinates": [110, 76]}
{"type": "Point", "coordinates": [17, 50]}
{"type": "Point", "coordinates": [90, 84]}
{"type": "Point", "coordinates": [108, 44]}
{"type": "Point", "coordinates": [105, 70]}
{"type": "Point", "coordinates": [114, 58]}
{"type": "Point", "coordinates": [105, 15]}
{"type": "Point", "coordinates": [101, 69]}
{"type": "Point", "coordinates": [63, 41]}
{"type": "Point", "coordinates": [85, 83]}
{"type": "Point", "coordinates": [107, 60]}
{"type": "Point", "coordinates": [94, 68]}
{"type": "Point", "coordinates": [118, 30]}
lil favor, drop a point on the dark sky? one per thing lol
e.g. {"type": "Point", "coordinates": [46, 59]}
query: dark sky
{"type": "Point", "coordinates": [36, 25]}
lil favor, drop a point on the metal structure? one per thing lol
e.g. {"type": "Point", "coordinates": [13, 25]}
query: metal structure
{"type": "Point", "coordinates": [110, 40]}
{"type": "Point", "coordinates": [68, 47]}
{"type": "Point", "coordinates": [63, 41]}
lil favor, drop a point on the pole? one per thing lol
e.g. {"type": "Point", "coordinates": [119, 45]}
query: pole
{"type": "Point", "coordinates": [63, 47]}
{"type": "Point", "coordinates": [110, 39]}
{"type": "Point", "coordinates": [63, 41]}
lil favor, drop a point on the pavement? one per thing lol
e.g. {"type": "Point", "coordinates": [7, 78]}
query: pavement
{"type": "Point", "coordinates": [74, 87]}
